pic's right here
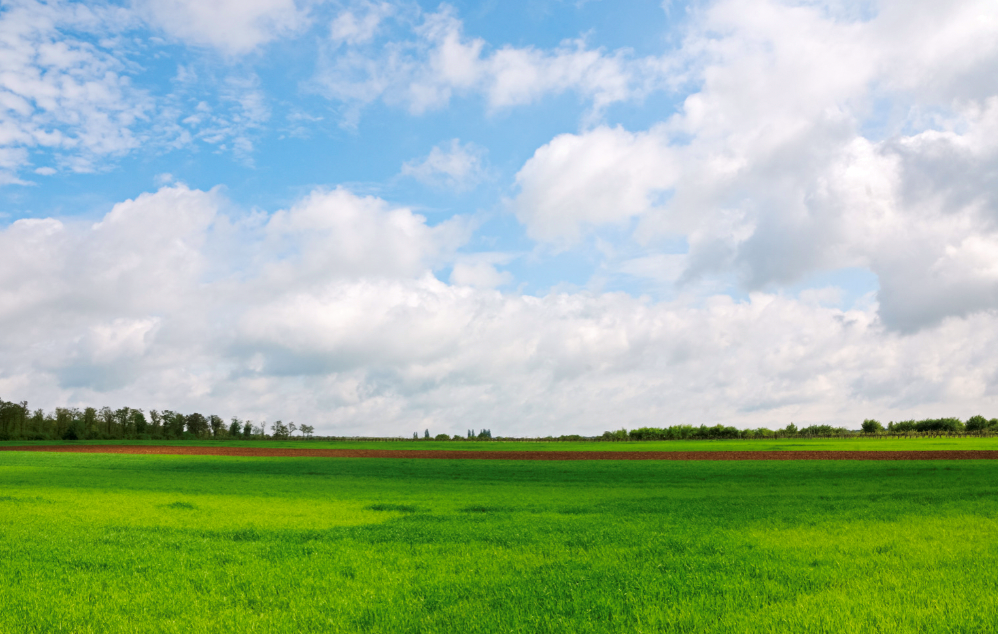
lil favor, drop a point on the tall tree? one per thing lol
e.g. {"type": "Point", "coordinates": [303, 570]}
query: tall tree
{"type": "Point", "coordinates": [216, 423]}
{"type": "Point", "coordinates": [197, 424]}
{"type": "Point", "coordinates": [89, 420]}
{"type": "Point", "coordinates": [107, 419]}
{"type": "Point", "coordinates": [157, 423]}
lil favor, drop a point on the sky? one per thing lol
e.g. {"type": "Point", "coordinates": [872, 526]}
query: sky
{"type": "Point", "coordinates": [532, 216]}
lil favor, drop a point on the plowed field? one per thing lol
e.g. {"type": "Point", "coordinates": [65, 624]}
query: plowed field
{"type": "Point", "coordinates": [264, 452]}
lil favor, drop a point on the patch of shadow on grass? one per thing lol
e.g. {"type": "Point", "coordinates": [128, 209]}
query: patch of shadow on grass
{"type": "Point", "coordinates": [480, 508]}
{"type": "Point", "coordinates": [246, 535]}
{"type": "Point", "coordinates": [574, 510]}
{"type": "Point", "coordinates": [398, 508]}
{"type": "Point", "coordinates": [16, 500]}
{"type": "Point", "coordinates": [186, 506]}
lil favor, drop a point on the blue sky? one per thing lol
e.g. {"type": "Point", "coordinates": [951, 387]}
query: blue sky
{"type": "Point", "coordinates": [546, 216]}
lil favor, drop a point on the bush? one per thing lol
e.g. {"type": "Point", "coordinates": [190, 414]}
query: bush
{"type": "Point", "coordinates": [977, 423]}
{"type": "Point", "coordinates": [871, 426]}
{"type": "Point", "coordinates": [441, 437]}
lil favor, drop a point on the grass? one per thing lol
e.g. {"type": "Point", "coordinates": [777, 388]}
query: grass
{"type": "Point", "coordinates": [98, 542]}
{"type": "Point", "coordinates": [881, 443]}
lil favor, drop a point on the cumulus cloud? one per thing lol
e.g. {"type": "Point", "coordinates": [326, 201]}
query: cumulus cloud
{"type": "Point", "coordinates": [328, 312]}
{"type": "Point", "coordinates": [604, 176]}
{"type": "Point", "coordinates": [455, 165]}
{"type": "Point", "coordinates": [438, 61]}
{"type": "Point", "coordinates": [771, 170]}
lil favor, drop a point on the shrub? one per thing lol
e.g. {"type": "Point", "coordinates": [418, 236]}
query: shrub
{"type": "Point", "coordinates": [977, 423]}
{"type": "Point", "coordinates": [441, 437]}
{"type": "Point", "coordinates": [871, 426]}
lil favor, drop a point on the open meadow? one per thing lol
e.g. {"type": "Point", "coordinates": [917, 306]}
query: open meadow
{"type": "Point", "coordinates": [99, 542]}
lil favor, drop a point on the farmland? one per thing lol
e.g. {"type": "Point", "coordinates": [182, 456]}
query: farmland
{"type": "Point", "coordinates": [100, 542]}
{"type": "Point", "coordinates": [858, 443]}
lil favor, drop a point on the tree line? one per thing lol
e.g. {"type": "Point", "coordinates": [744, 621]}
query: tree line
{"type": "Point", "coordinates": [18, 422]}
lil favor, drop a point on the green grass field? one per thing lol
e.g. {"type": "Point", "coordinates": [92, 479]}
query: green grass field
{"type": "Point", "coordinates": [93, 543]}
{"type": "Point", "coordinates": [882, 443]}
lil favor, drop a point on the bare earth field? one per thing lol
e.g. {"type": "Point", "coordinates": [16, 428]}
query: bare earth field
{"type": "Point", "coordinates": [271, 452]}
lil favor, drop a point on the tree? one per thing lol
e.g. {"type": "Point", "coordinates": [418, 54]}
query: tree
{"type": "Point", "coordinates": [977, 423]}
{"type": "Point", "coordinates": [107, 419]}
{"type": "Point", "coordinates": [236, 428]}
{"type": "Point", "coordinates": [307, 430]}
{"type": "Point", "coordinates": [426, 434]}
{"type": "Point", "coordinates": [790, 430]}
{"type": "Point", "coordinates": [123, 419]}
{"type": "Point", "coordinates": [139, 422]}
{"type": "Point", "coordinates": [292, 428]}
{"type": "Point", "coordinates": [197, 424]}
{"type": "Point", "coordinates": [279, 430]}
{"type": "Point", "coordinates": [173, 423]}
{"type": "Point", "coordinates": [871, 426]}
{"type": "Point", "coordinates": [215, 422]}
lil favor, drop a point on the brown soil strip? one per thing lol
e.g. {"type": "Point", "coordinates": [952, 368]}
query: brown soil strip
{"type": "Point", "coordinates": [516, 455]}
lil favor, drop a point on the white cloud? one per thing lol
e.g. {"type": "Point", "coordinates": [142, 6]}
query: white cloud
{"type": "Point", "coordinates": [455, 166]}
{"type": "Point", "coordinates": [769, 174]}
{"type": "Point", "coordinates": [313, 314]}
{"type": "Point", "coordinates": [607, 175]}
{"type": "Point", "coordinates": [234, 27]}
{"type": "Point", "coordinates": [423, 73]}
{"type": "Point", "coordinates": [63, 92]}
{"type": "Point", "coordinates": [359, 25]}
{"type": "Point", "coordinates": [479, 271]}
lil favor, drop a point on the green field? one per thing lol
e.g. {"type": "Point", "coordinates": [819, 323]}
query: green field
{"type": "Point", "coordinates": [859, 443]}
{"type": "Point", "coordinates": [97, 542]}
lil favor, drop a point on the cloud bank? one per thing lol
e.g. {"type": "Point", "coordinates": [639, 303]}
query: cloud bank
{"type": "Point", "coordinates": [329, 311]}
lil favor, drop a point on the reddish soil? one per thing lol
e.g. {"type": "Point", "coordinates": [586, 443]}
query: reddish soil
{"type": "Point", "coordinates": [517, 455]}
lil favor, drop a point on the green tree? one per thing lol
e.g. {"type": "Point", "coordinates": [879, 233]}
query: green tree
{"type": "Point", "coordinates": [123, 422]}
{"type": "Point", "coordinates": [197, 424]}
{"type": "Point", "coordinates": [279, 430]}
{"type": "Point", "coordinates": [871, 426]}
{"type": "Point", "coordinates": [977, 423]}
{"type": "Point", "coordinates": [139, 422]}
{"type": "Point", "coordinates": [236, 427]}
{"type": "Point", "coordinates": [90, 421]}
{"type": "Point", "coordinates": [216, 423]}
{"type": "Point", "coordinates": [155, 423]}
{"type": "Point", "coordinates": [106, 417]}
